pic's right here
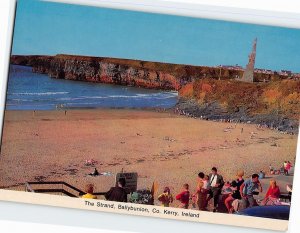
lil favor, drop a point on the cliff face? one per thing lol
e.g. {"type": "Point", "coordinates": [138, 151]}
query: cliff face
{"type": "Point", "coordinates": [274, 104]}
{"type": "Point", "coordinates": [98, 70]}
{"type": "Point", "coordinates": [127, 72]}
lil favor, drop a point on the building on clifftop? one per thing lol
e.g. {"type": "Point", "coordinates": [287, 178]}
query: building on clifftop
{"type": "Point", "coordinates": [249, 71]}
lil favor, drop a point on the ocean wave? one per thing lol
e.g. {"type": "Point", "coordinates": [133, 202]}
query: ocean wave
{"type": "Point", "coordinates": [117, 97]}
{"type": "Point", "coordinates": [83, 98]}
{"type": "Point", "coordinates": [174, 94]}
{"type": "Point", "coordinates": [40, 93]}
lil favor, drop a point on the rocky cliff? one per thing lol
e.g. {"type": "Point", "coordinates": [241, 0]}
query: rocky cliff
{"type": "Point", "coordinates": [127, 72]}
{"type": "Point", "coordinates": [274, 105]}
{"type": "Point", "coordinates": [101, 70]}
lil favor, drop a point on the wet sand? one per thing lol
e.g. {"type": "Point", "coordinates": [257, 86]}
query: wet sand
{"type": "Point", "coordinates": [160, 146]}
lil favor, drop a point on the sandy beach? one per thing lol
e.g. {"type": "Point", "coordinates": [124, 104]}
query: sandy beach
{"type": "Point", "coordinates": [160, 146]}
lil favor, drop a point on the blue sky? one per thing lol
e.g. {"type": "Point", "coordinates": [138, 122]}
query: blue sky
{"type": "Point", "coordinates": [46, 28]}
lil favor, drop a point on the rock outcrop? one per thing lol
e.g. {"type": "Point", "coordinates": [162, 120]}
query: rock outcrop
{"type": "Point", "coordinates": [274, 105]}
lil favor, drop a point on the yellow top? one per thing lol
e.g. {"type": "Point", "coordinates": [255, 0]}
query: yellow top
{"type": "Point", "coordinates": [165, 199]}
{"type": "Point", "coordinates": [89, 196]}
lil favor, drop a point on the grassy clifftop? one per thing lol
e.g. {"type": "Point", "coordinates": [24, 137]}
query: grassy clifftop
{"type": "Point", "coordinates": [186, 73]}
{"type": "Point", "coordinates": [280, 97]}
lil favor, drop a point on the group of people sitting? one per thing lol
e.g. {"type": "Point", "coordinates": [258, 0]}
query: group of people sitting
{"type": "Point", "coordinates": [285, 169]}
{"type": "Point", "coordinates": [212, 186]}
{"type": "Point", "coordinates": [208, 187]}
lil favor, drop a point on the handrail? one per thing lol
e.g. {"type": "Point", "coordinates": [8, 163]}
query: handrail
{"type": "Point", "coordinates": [57, 182]}
{"type": "Point", "coordinates": [54, 190]}
{"type": "Point", "coordinates": [100, 193]}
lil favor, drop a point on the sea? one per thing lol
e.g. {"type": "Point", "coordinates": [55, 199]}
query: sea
{"type": "Point", "coordinates": [33, 91]}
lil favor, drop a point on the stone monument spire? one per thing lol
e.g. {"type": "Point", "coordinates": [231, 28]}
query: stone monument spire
{"type": "Point", "coordinates": [249, 71]}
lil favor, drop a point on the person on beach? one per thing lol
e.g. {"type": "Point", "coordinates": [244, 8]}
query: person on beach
{"type": "Point", "coordinates": [285, 168]}
{"type": "Point", "coordinates": [206, 183]}
{"type": "Point", "coordinates": [247, 190]}
{"type": "Point", "coordinates": [184, 197]}
{"type": "Point", "coordinates": [272, 195]}
{"type": "Point", "coordinates": [215, 186]}
{"type": "Point", "coordinates": [166, 197]}
{"type": "Point", "coordinates": [202, 191]}
{"type": "Point", "coordinates": [94, 173]}
{"type": "Point", "coordinates": [117, 193]}
{"type": "Point", "coordinates": [235, 185]}
{"type": "Point", "coordinates": [89, 192]}
{"type": "Point", "coordinates": [288, 167]}
{"type": "Point", "coordinates": [273, 191]}
{"type": "Point", "coordinates": [271, 169]}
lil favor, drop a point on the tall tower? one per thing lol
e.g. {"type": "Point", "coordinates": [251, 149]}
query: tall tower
{"type": "Point", "coordinates": [249, 71]}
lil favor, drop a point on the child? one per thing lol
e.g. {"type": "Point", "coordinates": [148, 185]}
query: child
{"type": "Point", "coordinates": [89, 192]}
{"type": "Point", "coordinates": [184, 197]}
{"type": "Point", "coordinates": [166, 197]}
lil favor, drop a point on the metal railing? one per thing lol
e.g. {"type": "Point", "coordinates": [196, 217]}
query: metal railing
{"type": "Point", "coordinates": [64, 188]}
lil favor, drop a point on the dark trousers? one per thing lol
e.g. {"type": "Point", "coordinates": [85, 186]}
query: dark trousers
{"type": "Point", "coordinates": [251, 201]}
{"type": "Point", "coordinates": [215, 194]}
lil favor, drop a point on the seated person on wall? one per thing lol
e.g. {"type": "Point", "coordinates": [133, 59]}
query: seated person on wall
{"type": "Point", "coordinates": [89, 192]}
{"type": "Point", "coordinates": [235, 186]}
{"type": "Point", "coordinates": [117, 193]}
{"type": "Point", "coordinates": [272, 195]}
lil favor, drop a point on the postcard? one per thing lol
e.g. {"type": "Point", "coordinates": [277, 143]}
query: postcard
{"type": "Point", "coordinates": [148, 114]}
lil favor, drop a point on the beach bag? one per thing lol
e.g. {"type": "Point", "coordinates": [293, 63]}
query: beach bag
{"type": "Point", "coordinates": [143, 196]}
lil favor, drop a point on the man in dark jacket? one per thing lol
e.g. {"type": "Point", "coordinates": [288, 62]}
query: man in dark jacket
{"type": "Point", "coordinates": [117, 193]}
{"type": "Point", "coordinates": [215, 184]}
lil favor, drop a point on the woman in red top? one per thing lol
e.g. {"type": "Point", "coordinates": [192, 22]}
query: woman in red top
{"type": "Point", "coordinates": [273, 190]}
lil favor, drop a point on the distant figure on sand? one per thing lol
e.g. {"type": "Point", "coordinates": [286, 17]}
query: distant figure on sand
{"type": "Point", "coordinates": [184, 197]}
{"type": "Point", "coordinates": [215, 185]}
{"type": "Point", "coordinates": [248, 188]}
{"type": "Point", "coordinates": [166, 197]}
{"type": "Point", "coordinates": [89, 192]}
{"type": "Point", "coordinates": [285, 166]}
{"type": "Point", "coordinates": [94, 173]}
{"type": "Point", "coordinates": [271, 169]}
{"type": "Point", "coordinates": [288, 167]}
{"type": "Point", "coordinates": [117, 193]}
